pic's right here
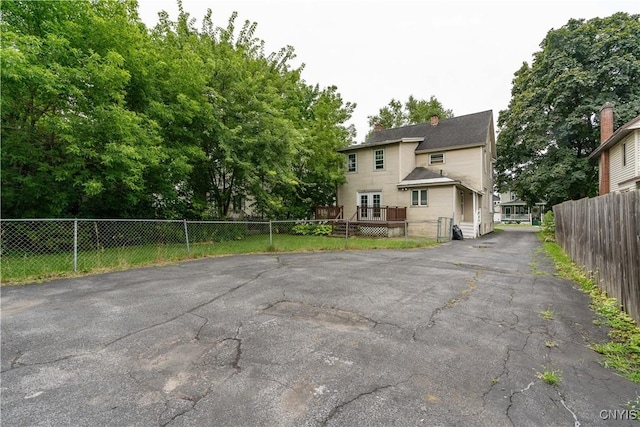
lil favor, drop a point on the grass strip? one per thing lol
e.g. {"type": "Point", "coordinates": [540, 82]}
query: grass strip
{"type": "Point", "coordinates": [29, 268]}
{"type": "Point", "coordinates": [622, 352]}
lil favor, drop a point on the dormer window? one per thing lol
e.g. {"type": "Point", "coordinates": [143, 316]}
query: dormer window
{"type": "Point", "coordinates": [436, 158]}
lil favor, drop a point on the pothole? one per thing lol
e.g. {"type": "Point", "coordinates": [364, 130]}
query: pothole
{"type": "Point", "coordinates": [332, 318]}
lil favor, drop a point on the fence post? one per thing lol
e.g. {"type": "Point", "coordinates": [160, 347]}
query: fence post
{"type": "Point", "coordinates": [406, 233]}
{"type": "Point", "coordinates": [75, 245]}
{"type": "Point", "coordinates": [346, 235]}
{"type": "Point", "coordinates": [186, 235]}
{"type": "Point", "coordinates": [270, 234]}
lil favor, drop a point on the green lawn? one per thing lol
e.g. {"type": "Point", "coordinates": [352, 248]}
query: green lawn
{"type": "Point", "coordinates": [27, 268]}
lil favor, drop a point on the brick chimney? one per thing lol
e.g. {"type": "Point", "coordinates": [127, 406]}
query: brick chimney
{"type": "Point", "coordinates": [434, 120]}
{"type": "Point", "coordinates": [378, 127]}
{"type": "Point", "coordinates": [606, 130]}
{"type": "Point", "coordinates": [606, 121]}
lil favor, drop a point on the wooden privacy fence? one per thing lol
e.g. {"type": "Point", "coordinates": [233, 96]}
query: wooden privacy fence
{"type": "Point", "coordinates": [603, 235]}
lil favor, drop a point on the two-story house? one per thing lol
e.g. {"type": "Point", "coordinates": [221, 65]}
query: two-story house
{"type": "Point", "coordinates": [510, 209]}
{"type": "Point", "coordinates": [443, 168]}
{"type": "Point", "coordinates": [618, 154]}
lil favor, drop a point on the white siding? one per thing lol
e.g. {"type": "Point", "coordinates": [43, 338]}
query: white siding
{"type": "Point", "coordinates": [619, 172]}
{"type": "Point", "coordinates": [472, 166]}
{"type": "Point", "coordinates": [398, 162]}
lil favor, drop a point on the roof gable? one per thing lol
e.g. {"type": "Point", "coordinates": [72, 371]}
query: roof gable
{"type": "Point", "coordinates": [456, 132]}
{"type": "Point", "coordinates": [617, 136]}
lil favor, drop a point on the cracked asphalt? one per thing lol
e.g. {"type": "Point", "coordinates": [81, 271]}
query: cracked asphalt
{"type": "Point", "coordinates": [451, 335]}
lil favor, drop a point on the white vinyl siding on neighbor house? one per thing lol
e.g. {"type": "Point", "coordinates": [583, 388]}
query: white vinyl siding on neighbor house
{"type": "Point", "coordinates": [436, 158]}
{"type": "Point", "coordinates": [623, 163]}
{"type": "Point", "coordinates": [352, 162]}
{"type": "Point", "coordinates": [419, 197]}
{"type": "Point", "coordinates": [378, 159]}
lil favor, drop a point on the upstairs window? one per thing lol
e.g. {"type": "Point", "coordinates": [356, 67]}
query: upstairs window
{"type": "Point", "coordinates": [352, 162]}
{"type": "Point", "coordinates": [436, 158]}
{"type": "Point", "coordinates": [378, 159]}
{"type": "Point", "coordinates": [624, 154]}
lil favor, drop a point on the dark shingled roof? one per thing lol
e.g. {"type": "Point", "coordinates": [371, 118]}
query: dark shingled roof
{"type": "Point", "coordinates": [468, 130]}
{"type": "Point", "coordinates": [422, 173]}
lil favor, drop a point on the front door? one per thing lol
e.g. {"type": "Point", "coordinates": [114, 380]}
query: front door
{"type": "Point", "coordinates": [369, 205]}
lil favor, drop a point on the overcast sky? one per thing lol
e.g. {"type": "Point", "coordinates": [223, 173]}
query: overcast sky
{"type": "Point", "coordinates": [463, 52]}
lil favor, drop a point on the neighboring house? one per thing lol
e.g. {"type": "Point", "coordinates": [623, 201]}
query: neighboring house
{"type": "Point", "coordinates": [510, 209]}
{"type": "Point", "coordinates": [618, 154]}
{"type": "Point", "coordinates": [443, 168]}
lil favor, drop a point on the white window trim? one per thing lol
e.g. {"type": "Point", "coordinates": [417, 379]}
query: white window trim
{"type": "Point", "coordinates": [437, 163]}
{"type": "Point", "coordinates": [383, 159]}
{"type": "Point", "coordinates": [419, 191]}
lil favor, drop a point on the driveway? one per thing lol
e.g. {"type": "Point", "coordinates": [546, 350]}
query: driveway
{"type": "Point", "coordinates": [451, 335]}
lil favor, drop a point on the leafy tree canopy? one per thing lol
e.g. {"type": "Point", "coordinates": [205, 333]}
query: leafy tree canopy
{"type": "Point", "coordinates": [552, 122]}
{"type": "Point", "coordinates": [104, 117]}
{"type": "Point", "coordinates": [413, 111]}
{"type": "Point", "coordinates": [70, 144]}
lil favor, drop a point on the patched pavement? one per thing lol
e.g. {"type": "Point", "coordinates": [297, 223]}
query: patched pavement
{"type": "Point", "coordinates": [451, 335]}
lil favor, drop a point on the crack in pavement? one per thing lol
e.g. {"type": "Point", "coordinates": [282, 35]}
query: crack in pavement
{"type": "Point", "coordinates": [506, 372]}
{"type": "Point", "coordinates": [236, 362]}
{"type": "Point", "coordinates": [450, 303]}
{"type": "Point", "coordinates": [339, 407]}
{"type": "Point", "coordinates": [513, 393]}
{"type": "Point", "coordinates": [17, 365]}
{"type": "Point", "coordinates": [191, 310]}
{"type": "Point", "coordinates": [179, 412]}
{"type": "Point", "coordinates": [576, 423]}
{"type": "Point", "coordinates": [206, 322]}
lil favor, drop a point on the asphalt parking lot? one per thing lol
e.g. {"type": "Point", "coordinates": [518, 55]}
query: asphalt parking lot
{"type": "Point", "coordinates": [451, 335]}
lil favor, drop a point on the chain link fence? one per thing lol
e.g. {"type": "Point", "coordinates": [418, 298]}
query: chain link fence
{"type": "Point", "coordinates": [33, 249]}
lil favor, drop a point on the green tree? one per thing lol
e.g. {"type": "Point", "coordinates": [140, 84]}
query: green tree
{"type": "Point", "coordinates": [240, 118]}
{"type": "Point", "coordinates": [70, 145]}
{"type": "Point", "coordinates": [103, 117]}
{"type": "Point", "coordinates": [551, 125]}
{"type": "Point", "coordinates": [254, 140]}
{"type": "Point", "coordinates": [319, 168]}
{"type": "Point", "coordinates": [413, 111]}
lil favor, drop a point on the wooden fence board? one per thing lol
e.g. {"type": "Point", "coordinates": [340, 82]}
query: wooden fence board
{"type": "Point", "coordinates": [602, 234]}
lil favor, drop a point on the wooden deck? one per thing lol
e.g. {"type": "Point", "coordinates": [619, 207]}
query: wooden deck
{"type": "Point", "coordinates": [364, 213]}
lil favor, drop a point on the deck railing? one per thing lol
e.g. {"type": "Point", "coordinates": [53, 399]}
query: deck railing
{"type": "Point", "coordinates": [515, 218]}
{"type": "Point", "coordinates": [381, 213]}
{"type": "Point", "coordinates": [329, 212]}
